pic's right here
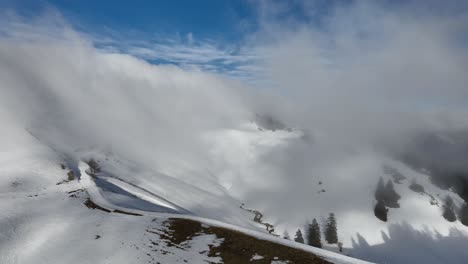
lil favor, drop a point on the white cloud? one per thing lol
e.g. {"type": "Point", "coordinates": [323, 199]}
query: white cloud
{"type": "Point", "coordinates": [188, 53]}
{"type": "Point", "coordinates": [73, 95]}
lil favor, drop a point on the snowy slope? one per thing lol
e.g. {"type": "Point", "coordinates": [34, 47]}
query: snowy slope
{"type": "Point", "coordinates": [41, 216]}
{"type": "Point", "coordinates": [44, 218]}
{"type": "Point", "coordinates": [348, 191]}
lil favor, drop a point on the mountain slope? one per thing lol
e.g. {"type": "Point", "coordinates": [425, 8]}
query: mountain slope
{"type": "Point", "coordinates": [49, 216]}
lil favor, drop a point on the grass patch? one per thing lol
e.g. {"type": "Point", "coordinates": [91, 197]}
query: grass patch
{"type": "Point", "coordinates": [71, 176]}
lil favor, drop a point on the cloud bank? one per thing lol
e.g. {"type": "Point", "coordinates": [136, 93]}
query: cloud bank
{"type": "Point", "coordinates": [73, 95]}
{"type": "Point", "coordinates": [365, 80]}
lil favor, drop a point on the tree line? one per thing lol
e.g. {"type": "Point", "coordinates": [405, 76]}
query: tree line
{"type": "Point", "coordinates": [314, 234]}
{"type": "Point", "coordinates": [386, 197]}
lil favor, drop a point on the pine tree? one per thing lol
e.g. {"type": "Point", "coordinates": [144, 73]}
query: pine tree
{"type": "Point", "coordinates": [463, 216]}
{"type": "Point", "coordinates": [314, 236]}
{"type": "Point", "coordinates": [299, 238]}
{"type": "Point", "coordinates": [380, 191]}
{"type": "Point", "coordinates": [331, 234]}
{"type": "Point", "coordinates": [380, 211]}
{"type": "Point", "coordinates": [386, 196]}
{"type": "Point", "coordinates": [286, 235]}
{"type": "Point", "coordinates": [391, 197]}
{"type": "Point", "coordinates": [448, 212]}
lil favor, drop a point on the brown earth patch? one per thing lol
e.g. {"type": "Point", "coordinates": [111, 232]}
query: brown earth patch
{"type": "Point", "coordinates": [124, 212]}
{"type": "Point", "coordinates": [237, 247]}
{"type": "Point", "coordinates": [90, 204]}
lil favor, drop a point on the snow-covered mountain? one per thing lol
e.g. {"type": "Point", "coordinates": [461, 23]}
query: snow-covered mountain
{"type": "Point", "coordinates": [100, 209]}
{"type": "Point", "coordinates": [108, 159]}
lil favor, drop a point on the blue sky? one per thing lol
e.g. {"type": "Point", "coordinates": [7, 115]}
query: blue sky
{"type": "Point", "coordinates": [207, 34]}
{"type": "Point", "coordinates": [209, 18]}
{"type": "Point", "coordinates": [211, 35]}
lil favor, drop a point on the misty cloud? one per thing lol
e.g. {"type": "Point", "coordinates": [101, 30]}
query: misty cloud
{"type": "Point", "coordinates": [364, 82]}
{"type": "Point", "coordinates": [74, 96]}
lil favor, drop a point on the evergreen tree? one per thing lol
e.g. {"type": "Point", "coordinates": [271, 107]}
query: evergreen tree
{"type": "Point", "coordinates": [391, 197]}
{"type": "Point", "coordinates": [331, 234]}
{"type": "Point", "coordinates": [463, 216]}
{"type": "Point", "coordinates": [448, 212]}
{"type": "Point", "coordinates": [380, 211]}
{"type": "Point", "coordinates": [286, 235]}
{"type": "Point", "coordinates": [299, 238]}
{"type": "Point", "coordinates": [380, 191]}
{"type": "Point", "coordinates": [386, 196]}
{"type": "Point", "coordinates": [314, 236]}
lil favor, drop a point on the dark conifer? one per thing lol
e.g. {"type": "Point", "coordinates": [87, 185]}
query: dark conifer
{"type": "Point", "coordinates": [463, 216]}
{"type": "Point", "coordinates": [380, 211]}
{"type": "Point", "coordinates": [299, 238]}
{"type": "Point", "coordinates": [314, 236]}
{"type": "Point", "coordinates": [380, 191]}
{"type": "Point", "coordinates": [331, 234]}
{"type": "Point", "coordinates": [448, 210]}
{"type": "Point", "coordinates": [391, 197]}
{"type": "Point", "coordinates": [386, 196]}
